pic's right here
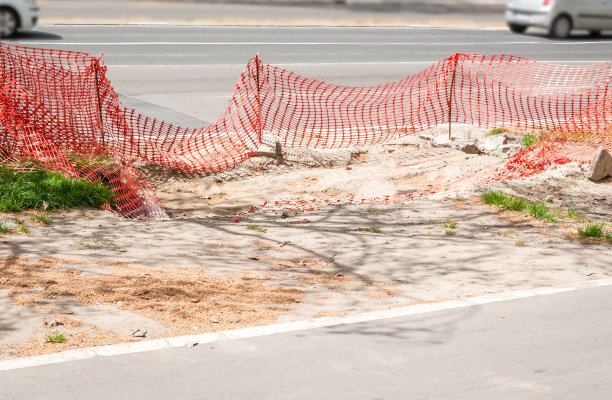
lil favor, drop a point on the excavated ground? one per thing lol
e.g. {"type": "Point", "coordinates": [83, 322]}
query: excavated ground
{"type": "Point", "coordinates": [99, 279]}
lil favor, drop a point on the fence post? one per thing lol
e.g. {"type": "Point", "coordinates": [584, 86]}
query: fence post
{"type": "Point", "coordinates": [259, 117]}
{"type": "Point", "coordinates": [97, 77]}
{"type": "Point", "coordinates": [450, 97]}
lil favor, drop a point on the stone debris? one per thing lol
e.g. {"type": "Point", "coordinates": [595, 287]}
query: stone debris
{"type": "Point", "coordinates": [601, 167]}
{"type": "Point", "coordinates": [492, 143]}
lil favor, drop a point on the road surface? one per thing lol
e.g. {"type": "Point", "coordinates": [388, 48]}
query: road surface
{"type": "Point", "coordinates": [185, 74]}
{"type": "Point", "coordinates": [546, 347]}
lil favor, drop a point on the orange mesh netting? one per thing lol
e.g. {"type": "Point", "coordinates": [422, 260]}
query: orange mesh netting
{"type": "Point", "coordinates": [54, 104]}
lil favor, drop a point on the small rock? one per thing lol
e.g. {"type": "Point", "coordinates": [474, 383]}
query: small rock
{"type": "Point", "coordinates": [119, 303]}
{"type": "Point", "coordinates": [195, 300]}
{"type": "Point", "coordinates": [214, 321]}
{"type": "Point", "coordinates": [54, 323]}
{"type": "Point", "coordinates": [191, 343]}
{"type": "Point", "coordinates": [601, 167]}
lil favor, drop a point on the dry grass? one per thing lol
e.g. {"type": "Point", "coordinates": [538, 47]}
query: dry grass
{"type": "Point", "coordinates": [178, 299]}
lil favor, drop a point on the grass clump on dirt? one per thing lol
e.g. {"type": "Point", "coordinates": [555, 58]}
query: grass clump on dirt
{"type": "Point", "coordinates": [538, 210]}
{"type": "Point", "coordinates": [528, 140]}
{"type": "Point", "coordinates": [500, 199]}
{"type": "Point", "coordinates": [594, 231]}
{"type": "Point", "coordinates": [497, 131]}
{"type": "Point", "coordinates": [56, 337]}
{"type": "Point", "coordinates": [257, 228]}
{"type": "Point", "coordinates": [5, 228]}
{"type": "Point", "coordinates": [30, 190]}
{"type": "Point", "coordinates": [371, 229]}
{"type": "Point", "coordinates": [41, 220]}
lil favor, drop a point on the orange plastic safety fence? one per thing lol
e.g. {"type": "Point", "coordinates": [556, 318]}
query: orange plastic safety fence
{"type": "Point", "coordinates": [54, 104]}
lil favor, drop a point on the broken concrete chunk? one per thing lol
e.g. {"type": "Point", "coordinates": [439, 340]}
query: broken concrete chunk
{"type": "Point", "coordinates": [508, 150]}
{"type": "Point", "coordinates": [601, 167]}
{"type": "Point", "coordinates": [491, 143]}
{"type": "Point", "coordinates": [468, 146]}
{"type": "Point", "coordinates": [268, 145]}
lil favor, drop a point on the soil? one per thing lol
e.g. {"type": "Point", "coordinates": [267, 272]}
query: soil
{"type": "Point", "coordinates": [100, 279]}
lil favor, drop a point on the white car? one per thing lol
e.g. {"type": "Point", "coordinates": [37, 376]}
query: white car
{"type": "Point", "coordinates": [560, 17]}
{"type": "Point", "coordinates": [17, 15]}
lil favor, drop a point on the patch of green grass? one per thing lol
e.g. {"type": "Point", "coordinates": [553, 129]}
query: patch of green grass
{"type": "Point", "coordinates": [500, 199]}
{"type": "Point", "coordinates": [29, 190]}
{"type": "Point", "coordinates": [4, 228]}
{"type": "Point", "coordinates": [541, 211]}
{"type": "Point", "coordinates": [497, 131]}
{"type": "Point", "coordinates": [450, 232]}
{"type": "Point", "coordinates": [591, 230]}
{"type": "Point", "coordinates": [449, 224]}
{"type": "Point", "coordinates": [41, 220]}
{"type": "Point", "coordinates": [257, 228]}
{"type": "Point", "coordinates": [56, 337]}
{"type": "Point", "coordinates": [571, 212]}
{"type": "Point", "coordinates": [537, 210]}
{"type": "Point", "coordinates": [520, 243]}
{"type": "Point", "coordinates": [23, 229]}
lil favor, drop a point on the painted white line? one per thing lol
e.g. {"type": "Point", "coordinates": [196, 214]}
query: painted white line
{"type": "Point", "coordinates": [295, 43]}
{"type": "Point", "coordinates": [327, 63]}
{"type": "Point", "coordinates": [241, 43]}
{"type": "Point", "coordinates": [257, 331]}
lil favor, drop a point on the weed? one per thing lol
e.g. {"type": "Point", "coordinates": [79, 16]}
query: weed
{"type": "Point", "coordinates": [4, 228]}
{"type": "Point", "coordinates": [508, 233]}
{"type": "Point", "coordinates": [449, 224]}
{"type": "Point", "coordinates": [501, 199]}
{"type": "Point", "coordinates": [572, 213]}
{"type": "Point", "coordinates": [591, 230]}
{"type": "Point", "coordinates": [528, 140]}
{"type": "Point", "coordinates": [540, 211]}
{"type": "Point", "coordinates": [41, 220]}
{"type": "Point", "coordinates": [257, 228]}
{"type": "Point", "coordinates": [19, 221]}
{"type": "Point", "coordinates": [520, 243]}
{"type": "Point", "coordinates": [450, 233]}
{"type": "Point", "coordinates": [23, 229]}
{"type": "Point", "coordinates": [56, 337]}
{"type": "Point", "coordinates": [372, 229]}
{"type": "Point", "coordinates": [497, 131]}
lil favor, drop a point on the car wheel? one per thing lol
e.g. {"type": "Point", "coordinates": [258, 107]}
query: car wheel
{"type": "Point", "coordinates": [514, 28]}
{"type": "Point", "coordinates": [561, 27]}
{"type": "Point", "coordinates": [595, 33]}
{"type": "Point", "coordinates": [8, 23]}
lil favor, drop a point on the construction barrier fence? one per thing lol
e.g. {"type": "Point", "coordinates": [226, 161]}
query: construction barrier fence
{"type": "Point", "coordinates": [55, 104]}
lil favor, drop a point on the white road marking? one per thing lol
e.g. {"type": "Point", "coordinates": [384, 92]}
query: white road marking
{"type": "Point", "coordinates": [327, 63]}
{"type": "Point", "coordinates": [301, 43]}
{"type": "Point", "coordinates": [191, 340]}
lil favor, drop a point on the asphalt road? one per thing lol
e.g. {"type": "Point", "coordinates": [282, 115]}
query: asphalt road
{"type": "Point", "coordinates": [547, 347]}
{"type": "Point", "coordinates": [185, 74]}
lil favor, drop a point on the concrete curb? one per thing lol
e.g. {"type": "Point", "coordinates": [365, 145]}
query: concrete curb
{"type": "Point", "coordinates": [206, 338]}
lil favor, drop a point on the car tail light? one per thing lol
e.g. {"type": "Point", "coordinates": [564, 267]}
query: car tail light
{"type": "Point", "coordinates": [546, 2]}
